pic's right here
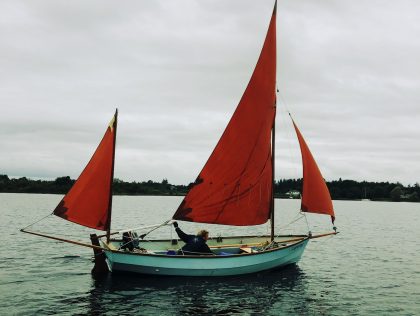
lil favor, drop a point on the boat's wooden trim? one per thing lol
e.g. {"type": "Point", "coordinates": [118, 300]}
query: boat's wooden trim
{"type": "Point", "coordinates": [246, 249]}
{"type": "Point", "coordinates": [323, 235]}
{"type": "Point", "coordinates": [237, 245]}
{"type": "Point", "coordinates": [254, 244]}
{"type": "Point", "coordinates": [223, 237]}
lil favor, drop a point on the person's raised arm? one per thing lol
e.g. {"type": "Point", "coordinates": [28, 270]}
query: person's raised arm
{"type": "Point", "coordinates": [181, 234]}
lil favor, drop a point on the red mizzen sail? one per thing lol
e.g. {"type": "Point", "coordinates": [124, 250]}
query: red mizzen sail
{"type": "Point", "coordinates": [315, 195]}
{"type": "Point", "coordinates": [235, 185]}
{"type": "Point", "coordinates": [88, 202]}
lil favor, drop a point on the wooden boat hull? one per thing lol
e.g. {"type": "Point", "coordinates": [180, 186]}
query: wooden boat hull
{"type": "Point", "coordinates": [221, 265]}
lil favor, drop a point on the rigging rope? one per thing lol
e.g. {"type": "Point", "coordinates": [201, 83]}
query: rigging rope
{"type": "Point", "coordinates": [298, 217]}
{"type": "Point", "coordinates": [289, 137]}
{"type": "Point", "coordinates": [307, 224]}
{"type": "Point", "coordinates": [58, 235]}
{"type": "Point", "coordinates": [156, 226]}
{"type": "Point", "coordinates": [164, 224]}
{"type": "Point", "coordinates": [37, 221]}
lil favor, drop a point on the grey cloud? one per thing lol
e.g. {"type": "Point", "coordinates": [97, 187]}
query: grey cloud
{"type": "Point", "coordinates": [347, 70]}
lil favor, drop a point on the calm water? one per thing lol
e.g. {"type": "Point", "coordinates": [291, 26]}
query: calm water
{"type": "Point", "coordinates": [371, 268]}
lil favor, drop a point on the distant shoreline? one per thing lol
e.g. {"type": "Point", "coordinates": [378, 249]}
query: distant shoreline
{"type": "Point", "coordinates": [346, 190]}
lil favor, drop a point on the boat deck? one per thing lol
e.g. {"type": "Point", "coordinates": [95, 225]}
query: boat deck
{"type": "Point", "coordinates": [220, 246]}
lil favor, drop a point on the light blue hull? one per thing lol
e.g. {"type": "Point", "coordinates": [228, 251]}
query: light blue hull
{"type": "Point", "coordinates": [156, 264]}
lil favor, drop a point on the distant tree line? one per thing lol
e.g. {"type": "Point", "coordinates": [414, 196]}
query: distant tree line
{"type": "Point", "coordinates": [340, 189]}
{"type": "Point", "coordinates": [62, 185]}
{"type": "Point", "coordinates": [354, 190]}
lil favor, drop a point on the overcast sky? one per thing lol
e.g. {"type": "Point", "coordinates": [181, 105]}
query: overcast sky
{"type": "Point", "coordinates": [348, 71]}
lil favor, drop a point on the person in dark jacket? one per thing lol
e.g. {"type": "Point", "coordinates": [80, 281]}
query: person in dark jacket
{"type": "Point", "coordinates": [194, 244]}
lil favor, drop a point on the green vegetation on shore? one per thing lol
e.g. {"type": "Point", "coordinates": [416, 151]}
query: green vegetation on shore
{"type": "Point", "coordinates": [340, 189]}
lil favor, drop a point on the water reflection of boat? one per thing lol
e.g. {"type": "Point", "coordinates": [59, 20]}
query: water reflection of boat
{"type": "Point", "coordinates": [235, 187]}
{"type": "Point", "coordinates": [261, 294]}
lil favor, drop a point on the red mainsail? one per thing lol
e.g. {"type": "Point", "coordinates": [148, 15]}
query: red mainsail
{"type": "Point", "coordinates": [315, 195]}
{"type": "Point", "coordinates": [235, 185]}
{"type": "Point", "coordinates": [89, 201]}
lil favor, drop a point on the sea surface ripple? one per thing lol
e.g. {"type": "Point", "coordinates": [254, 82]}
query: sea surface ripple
{"type": "Point", "coordinates": [372, 267]}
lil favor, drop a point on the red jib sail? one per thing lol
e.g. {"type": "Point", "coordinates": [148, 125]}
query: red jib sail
{"type": "Point", "coordinates": [315, 195]}
{"type": "Point", "coordinates": [88, 202]}
{"type": "Point", "coordinates": [235, 185]}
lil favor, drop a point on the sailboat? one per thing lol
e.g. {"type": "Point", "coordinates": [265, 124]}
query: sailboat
{"type": "Point", "coordinates": [235, 187]}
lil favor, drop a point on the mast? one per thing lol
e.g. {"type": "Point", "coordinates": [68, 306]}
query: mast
{"type": "Point", "coordinates": [273, 151]}
{"type": "Point", "coordinates": [108, 232]}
